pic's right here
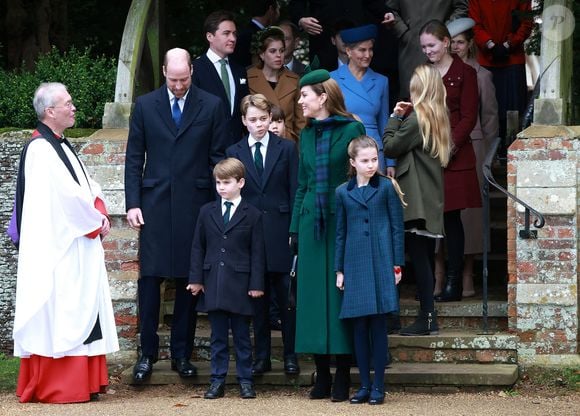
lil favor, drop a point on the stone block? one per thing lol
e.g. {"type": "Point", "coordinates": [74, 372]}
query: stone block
{"type": "Point", "coordinates": [550, 173]}
{"type": "Point", "coordinates": [549, 201]}
{"type": "Point", "coordinates": [547, 294]}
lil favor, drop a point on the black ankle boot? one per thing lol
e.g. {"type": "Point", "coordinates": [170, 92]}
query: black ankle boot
{"type": "Point", "coordinates": [321, 389]}
{"type": "Point", "coordinates": [341, 385]}
{"type": "Point", "coordinates": [425, 324]}
{"type": "Point", "coordinates": [323, 381]}
{"type": "Point", "coordinates": [453, 289]}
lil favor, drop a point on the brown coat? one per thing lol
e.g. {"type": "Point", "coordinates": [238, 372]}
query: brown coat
{"type": "Point", "coordinates": [285, 96]}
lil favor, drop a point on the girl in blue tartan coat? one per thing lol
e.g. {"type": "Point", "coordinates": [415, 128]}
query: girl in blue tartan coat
{"type": "Point", "coordinates": [369, 256]}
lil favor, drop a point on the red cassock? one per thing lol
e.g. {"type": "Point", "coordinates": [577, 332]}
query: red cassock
{"type": "Point", "coordinates": [56, 380]}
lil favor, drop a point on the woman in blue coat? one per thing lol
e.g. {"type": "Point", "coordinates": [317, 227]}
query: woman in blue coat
{"type": "Point", "coordinates": [366, 93]}
{"type": "Point", "coordinates": [368, 260]}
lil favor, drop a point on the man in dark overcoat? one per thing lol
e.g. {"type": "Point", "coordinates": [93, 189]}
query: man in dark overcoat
{"type": "Point", "coordinates": [176, 136]}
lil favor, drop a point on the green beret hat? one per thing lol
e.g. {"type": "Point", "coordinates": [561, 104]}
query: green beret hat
{"type": "Point", "coordinates": [314, 77]}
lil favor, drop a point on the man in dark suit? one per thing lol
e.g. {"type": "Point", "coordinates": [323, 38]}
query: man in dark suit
{"type": "Point", "coordinates": [176, 136]}
{"type": "Point", "coordinates": [265, 13]}
{"type": "Point", "coordinates": [220, 76]}
{"type": "Point", "coordinates": [271, 179]}
{"type": "Point", "coordinates": [291, 42]}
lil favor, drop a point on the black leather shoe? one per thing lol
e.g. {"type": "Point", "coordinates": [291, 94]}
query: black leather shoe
{"type": "Point", "coordinates": [361, 396]}
{"type": "Point", "coordinates": [247, 391]}
{"type": "Point", "coordinates": [183, 367]}
{"type": "Point", "coordinates": [291, 366]}
{"type": "Point", "coordinates": [143, 369]}
{"type": "Point", "coordinates": [261, 366]}
{"type": "Point", "coordinates": [215, 391]}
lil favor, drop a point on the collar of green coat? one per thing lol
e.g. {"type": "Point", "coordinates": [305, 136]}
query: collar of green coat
{"type": "Point", "coordinates": [331, 121]}
{"type": "Point", "coordinates": [374, 182]}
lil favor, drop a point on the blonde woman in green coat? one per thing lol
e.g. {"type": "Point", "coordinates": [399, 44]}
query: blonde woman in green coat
{"type": "Point", "coordinates": [323, 166]}
{"type": "Point", "coordinates": [418, 136]}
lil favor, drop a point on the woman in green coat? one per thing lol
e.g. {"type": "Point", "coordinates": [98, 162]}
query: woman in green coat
{"type": "Point", "coordinates": [323, 166]}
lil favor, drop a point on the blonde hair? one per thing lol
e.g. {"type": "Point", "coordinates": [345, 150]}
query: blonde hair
{"type": "Point", "coordinates": [229, 168]}
{"type": "Point", "coordinates": [428, 95]}
{"type": "Point", "coordinates": [257, 100]}
{"type": "Point", "coordinates": [366, 142]}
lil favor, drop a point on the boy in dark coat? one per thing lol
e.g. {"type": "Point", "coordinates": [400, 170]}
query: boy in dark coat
{"type": "Point", "coordinates": [227, 270]}
{"type": "Point", "coordinates": [272, 166]}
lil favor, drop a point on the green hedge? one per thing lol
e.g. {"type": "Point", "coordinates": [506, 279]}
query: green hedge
{"type": "Point", "coordinates": [90, 81]}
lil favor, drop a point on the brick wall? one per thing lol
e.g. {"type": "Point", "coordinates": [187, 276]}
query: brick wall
{"type": "Point", "coordinates": [104, 155]}
{"type": "Point", "coordinates": [543, 272]}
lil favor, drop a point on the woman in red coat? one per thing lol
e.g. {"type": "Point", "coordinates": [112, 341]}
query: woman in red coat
{"type": "Point", "coordinates": [501, 28]}
{"type": "Point", "coordinates": [460, 176]}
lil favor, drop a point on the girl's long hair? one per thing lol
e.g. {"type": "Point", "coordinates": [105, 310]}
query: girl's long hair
{"type": "Point", "coordinates": [366, 142]}
{"type": "Point", "coordinates": [428, 95]}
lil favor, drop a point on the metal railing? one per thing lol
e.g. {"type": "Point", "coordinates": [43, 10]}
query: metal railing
{"type": "Point", "coordinates": [526, 233]}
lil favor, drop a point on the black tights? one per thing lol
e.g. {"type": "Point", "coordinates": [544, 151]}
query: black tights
{"type": "Point", "coordinates": [422, 251]}
{"type": "Point", "coordinates": [455, 241]}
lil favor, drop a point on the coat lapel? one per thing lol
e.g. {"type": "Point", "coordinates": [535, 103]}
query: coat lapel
{"type": "Point", "coordinates": [272, 156]}
{"type": "Point", "coordinates": [191, 109]}
{"type": "Point", "coordinates": [245, 155]}
{"type": "Point", "coordinates": [238, 216]}
{"type": "Point", "coordinates": [164, 110]}
{"type": "Point", "coordinates": [216, 214]}
{"type": "Point", "coordinates": [360, 88]}
{"type": "Point", "coordinates": [357, 196]}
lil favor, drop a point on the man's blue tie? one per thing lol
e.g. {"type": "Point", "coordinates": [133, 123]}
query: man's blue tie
{"type": "Point", "coordinates": [176, 112]}
{"type": "Point", "coordinates": [228, 205]}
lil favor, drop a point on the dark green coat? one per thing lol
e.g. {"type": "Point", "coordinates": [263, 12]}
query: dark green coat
{"type": "Point", "coordinates": [318, 329]}
{"type": "Point", "coordinates": [419, 175]}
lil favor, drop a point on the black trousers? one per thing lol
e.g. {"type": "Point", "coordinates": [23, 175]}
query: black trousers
{"type": "Point", "coordinates": [277, 285]}
{"type": "Point", "coordinates": [182, 325]}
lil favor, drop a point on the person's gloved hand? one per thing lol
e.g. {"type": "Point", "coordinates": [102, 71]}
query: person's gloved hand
{"type": "Point", "coordinates": [294, 243]}
{"type": "Point", "coordinates": [500, 53]}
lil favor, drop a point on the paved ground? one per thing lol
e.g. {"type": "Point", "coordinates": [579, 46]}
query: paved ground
{"type": "Point", "coordinates": [182, 400]}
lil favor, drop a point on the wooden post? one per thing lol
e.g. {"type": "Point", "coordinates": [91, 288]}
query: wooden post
{"type": "Point", "coordinates": [142, 25]}
{"type": "Point", "coordinates": [553, 106]}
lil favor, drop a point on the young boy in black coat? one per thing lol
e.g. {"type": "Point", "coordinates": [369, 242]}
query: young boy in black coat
{"type": "Point", "coordinates": [227, 271]}
{"type": "Point", "coordinates": [272, 172]}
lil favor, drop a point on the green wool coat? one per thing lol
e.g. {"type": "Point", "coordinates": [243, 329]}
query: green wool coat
{"type": "Point", "coordinates": [419, 175]}
{"type": "Point", "coordinates": [318, 329]}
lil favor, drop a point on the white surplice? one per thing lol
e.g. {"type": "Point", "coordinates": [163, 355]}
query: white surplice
{"type": "Point", "coordinates": [62, 284]}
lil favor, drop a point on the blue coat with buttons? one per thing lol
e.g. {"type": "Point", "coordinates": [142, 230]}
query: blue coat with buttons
{"type": "Point", "coordinates": [369, 243]}
{"type": "Point", "coordinates": [228, 259]}
{"type": "Point", "coordinates": [368, 99]}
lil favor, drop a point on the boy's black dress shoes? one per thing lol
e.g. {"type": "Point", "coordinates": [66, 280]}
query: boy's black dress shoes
{"type": "Point", "coordinates": [247, 391]}
{"type": "Point", "coordinates": [291, 365]}
{"type": "Point", "coordinates": [183, 367]}
{"type": "Point", "coordinates": [261, 367]}
{"type": "Point", "coordinates": [143, 369]}
{"type": "Point", "coordinates": [215, 391]}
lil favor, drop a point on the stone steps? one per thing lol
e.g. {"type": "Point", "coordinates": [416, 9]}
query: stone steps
{"type": "Point", "coordinates": [406, 376]}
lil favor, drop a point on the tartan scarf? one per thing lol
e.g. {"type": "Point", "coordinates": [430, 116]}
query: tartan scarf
{"type": "Point", "coordinates": [323, 134]}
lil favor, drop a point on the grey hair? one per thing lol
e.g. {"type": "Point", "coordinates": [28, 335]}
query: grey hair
{"type": "Point", "coordinates": [44, 97]}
